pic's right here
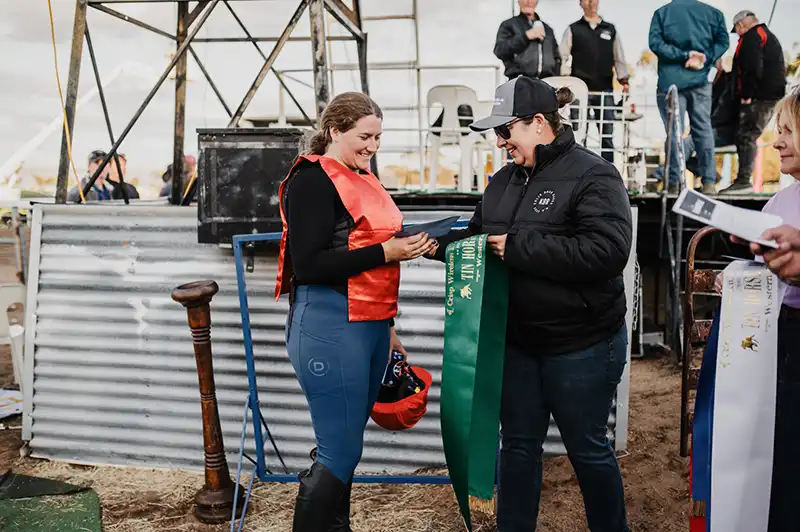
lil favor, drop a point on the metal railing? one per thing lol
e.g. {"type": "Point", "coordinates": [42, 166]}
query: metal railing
{"type": "Point", "coordinates": [636, 130]}
{"type": "Point", "coordinates": [630, 122]}
{"type": "Point", "coordinates": [420, 106]}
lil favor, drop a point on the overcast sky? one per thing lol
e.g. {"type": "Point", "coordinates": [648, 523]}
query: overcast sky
{"type": "Point", "coordinates": [452, 32]}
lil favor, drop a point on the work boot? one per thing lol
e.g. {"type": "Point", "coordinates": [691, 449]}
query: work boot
{"type": "Point", "coordinates": [708, 189]}
{"type": "Point", "coordinates": [341, 519]}
{"type": "Point", "coordinates": [318, 500]}
{"type": "Point", "coordinates": [673, 188]}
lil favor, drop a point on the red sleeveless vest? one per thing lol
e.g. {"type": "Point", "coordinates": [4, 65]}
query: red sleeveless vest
{"type": "Point", "coordinates": [371, 295]}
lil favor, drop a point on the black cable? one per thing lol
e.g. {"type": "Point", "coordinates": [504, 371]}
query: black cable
{"type": "Point", "coordinates": [274, 445]}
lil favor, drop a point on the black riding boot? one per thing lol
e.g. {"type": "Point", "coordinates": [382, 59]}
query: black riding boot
{"type": "Point", "coordinates": [341, 519]}
{"type": "Point", "coordinates": [318, 500]}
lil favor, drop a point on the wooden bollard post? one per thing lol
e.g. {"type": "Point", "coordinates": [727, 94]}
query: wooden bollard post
{"type": "Point", "coordinates": [214, 502]}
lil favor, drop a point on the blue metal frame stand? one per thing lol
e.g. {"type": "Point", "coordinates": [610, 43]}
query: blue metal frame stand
{"type": "Point", "coordinates": [252, 404]}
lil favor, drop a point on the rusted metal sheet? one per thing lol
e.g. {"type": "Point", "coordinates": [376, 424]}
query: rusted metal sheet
{"type": "Point", "coordinates": [703, 281]}
{"type": "Point", "coordinates": [694, 376]}
{"type": "Point", "coordinates": [700, 331]}
{"type": "Point", "coordinates": [695, 332]}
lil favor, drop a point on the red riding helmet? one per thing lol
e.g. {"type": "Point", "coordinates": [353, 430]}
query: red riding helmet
{"type": "Point", "coordinates": [403, 398]}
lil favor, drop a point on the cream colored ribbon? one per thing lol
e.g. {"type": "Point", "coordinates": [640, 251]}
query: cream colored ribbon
{"type": "Point", "coordinates": [744, 399]}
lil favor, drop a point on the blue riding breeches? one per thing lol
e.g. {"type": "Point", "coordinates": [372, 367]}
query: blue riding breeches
{"type": "Point", "coordinates": [340, 366]}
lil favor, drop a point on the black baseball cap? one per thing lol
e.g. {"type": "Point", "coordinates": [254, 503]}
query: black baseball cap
{"type": "Point", "coordinates": [516, 98]}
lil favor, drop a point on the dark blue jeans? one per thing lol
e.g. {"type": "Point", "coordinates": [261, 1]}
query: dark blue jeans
{"type": "Point", "coordinates": [697, 102]}
{"type": "Point", "coordinates": [577, 389]}
{"type": "Point", "coordinates": [340, 367]}
{"type": "Point", "coordinates": [784, 511]}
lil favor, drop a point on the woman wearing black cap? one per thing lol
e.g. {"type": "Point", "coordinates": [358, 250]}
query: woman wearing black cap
{"type": "Point", "coordinates": [559, 217]}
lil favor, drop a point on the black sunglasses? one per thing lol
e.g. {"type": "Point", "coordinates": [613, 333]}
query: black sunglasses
{"type": "Point", "coordinates": [504, 132]}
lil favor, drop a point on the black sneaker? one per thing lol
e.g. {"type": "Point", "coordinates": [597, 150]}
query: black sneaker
{"type": "Point", "coordinates": [738, 187]}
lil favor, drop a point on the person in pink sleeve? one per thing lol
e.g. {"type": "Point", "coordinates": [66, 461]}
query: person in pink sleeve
{"type": "Point", "coordinates": [785, 261]}
{"type": "Point", "coordinates": [784, 514]}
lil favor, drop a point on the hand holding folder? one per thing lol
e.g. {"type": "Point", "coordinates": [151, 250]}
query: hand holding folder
{"type": "Point", "coordinates": [435, 229]}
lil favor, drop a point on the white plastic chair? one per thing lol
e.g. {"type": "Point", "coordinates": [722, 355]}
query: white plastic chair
{"type": "Point", "coordinates": [487, 142]}
{"type": "Point", "coordinates": [12, 335]}
{"type": "Point", "coordinates": [450, 97]}
{"type": "Point", "coordinates": [581, 92]}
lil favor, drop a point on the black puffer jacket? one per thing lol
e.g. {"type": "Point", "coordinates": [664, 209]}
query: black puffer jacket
{"type": "Point", "coordinates": [569, 238]}
{"type": "Point", "coordinates": [523, 57]}
{"type": "Point", "coordinates": [759, 65]}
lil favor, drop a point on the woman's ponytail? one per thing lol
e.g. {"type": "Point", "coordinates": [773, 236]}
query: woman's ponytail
{"type": "Point", "coordinates": [564, 96]}
{"type": "Point", "coordinates": [318, 144]}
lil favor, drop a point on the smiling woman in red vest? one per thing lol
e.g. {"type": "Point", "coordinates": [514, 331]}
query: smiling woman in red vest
{"type": "Point", "coordinates": [339, 261]}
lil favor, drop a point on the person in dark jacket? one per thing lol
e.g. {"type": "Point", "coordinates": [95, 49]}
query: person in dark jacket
{"type": "Point", "coordinates": [527, 46]}
{"type": "Point", "coordinates": [99, 190]}
{"type": "Point", "coordinates": [760, 74]}
{"type": "Point", "coordinates": [115, 181]}
{"type": "Point", "coordinates": [560, 218]}
{"type": "Point", "coordinates": [596, 51]}
{"type": "Point", "coordinates": [688, 37]}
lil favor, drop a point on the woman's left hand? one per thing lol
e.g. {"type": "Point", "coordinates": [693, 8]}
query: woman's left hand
{"type": "Point", "coordinates": [395, 345]}
{"type": "Point", "coordinates": [498, 244]}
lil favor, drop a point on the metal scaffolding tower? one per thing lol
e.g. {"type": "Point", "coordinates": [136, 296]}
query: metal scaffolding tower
{"type": "Point", "coordinates": [191, 16]}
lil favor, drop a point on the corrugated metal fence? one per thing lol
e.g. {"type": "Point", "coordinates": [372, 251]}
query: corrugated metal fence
{"type": "Point", "coordinates": [110, 371]}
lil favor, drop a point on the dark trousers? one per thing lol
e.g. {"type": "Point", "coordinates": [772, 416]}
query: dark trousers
{"type": "Point", "coordinates": [607, 115]}
{"type": "Point", "coordinates": [340, 366]}
{"type": "Point", "coordinates": [577, 389]}
{"type": "Point", "coordinates": [607, 128]}
{"type": "Point", "coordinates": [784, 512]}
{"type": "Point", "coordinates": [753, 118]}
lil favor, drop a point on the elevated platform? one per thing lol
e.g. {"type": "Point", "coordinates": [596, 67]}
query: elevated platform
{"type": "Point", "coordinates": [447, 199]}
{"type": "Point", "coordinates": [652, 207]}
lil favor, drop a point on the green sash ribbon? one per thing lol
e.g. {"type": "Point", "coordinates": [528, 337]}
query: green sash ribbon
{"type": "Point", "coordinates": [476, 305]}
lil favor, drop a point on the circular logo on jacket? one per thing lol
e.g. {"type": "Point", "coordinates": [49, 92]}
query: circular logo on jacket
{"type": "Point", "coordinates": [544, 200]}
{"type": "Point", "coordinates": [318, 367]}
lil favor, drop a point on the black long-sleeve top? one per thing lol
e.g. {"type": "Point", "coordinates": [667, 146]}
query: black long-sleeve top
{"type": "Point", "coordinates": [313, 210]}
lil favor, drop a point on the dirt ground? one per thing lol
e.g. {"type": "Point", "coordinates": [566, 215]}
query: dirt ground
{"type": "Point", "coordinates": [656, 482]}
{"type": "Point", "coordinates": [137, 500]}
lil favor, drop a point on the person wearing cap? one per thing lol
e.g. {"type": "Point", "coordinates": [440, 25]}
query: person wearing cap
{"type": "Point", "coordinates": [99, 190]}
{"type": "Point", "coordinates": [760, 80]}
{"type": "Point", "coordinates": [559, 216]}
{"type": "Point", "coordinates": [526, 45]}
{"type": "Point", "coordinates": [688, 37]}
{"type": "Point", "coordinates": [595, 50]}
{"type": "Point", "coordinates": [189, 169]}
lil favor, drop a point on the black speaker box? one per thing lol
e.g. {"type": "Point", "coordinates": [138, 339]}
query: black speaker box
{"type": "Point", "coordinates": [239, 173]}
